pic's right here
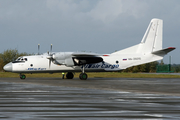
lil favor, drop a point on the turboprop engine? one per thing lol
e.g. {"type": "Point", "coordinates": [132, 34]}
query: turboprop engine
{"type": "Point", "coordinates": [69, 59]}
{"type": "Point", "coordinates": [63, 59]}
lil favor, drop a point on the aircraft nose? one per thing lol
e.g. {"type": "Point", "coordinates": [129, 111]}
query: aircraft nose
{"type": "Point", "coordinates": [8, 67]}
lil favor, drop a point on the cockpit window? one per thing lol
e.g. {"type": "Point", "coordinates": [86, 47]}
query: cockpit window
{"type": "Point", "coordinates": [21, 59]}
{"type": "Point", "coordinates": [18, 59]}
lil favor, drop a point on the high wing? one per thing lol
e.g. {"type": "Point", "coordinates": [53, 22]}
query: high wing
{"type": "Point", "coordinates": [81, 58]}
{"type": "Point", "coordinates": [85, 54]}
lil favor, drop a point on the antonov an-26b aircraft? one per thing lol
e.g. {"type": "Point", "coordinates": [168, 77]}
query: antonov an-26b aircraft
{"type": "Point", "coordinates": [148, 50]}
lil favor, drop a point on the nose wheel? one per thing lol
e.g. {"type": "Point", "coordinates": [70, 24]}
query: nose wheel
{"type": "Point", "coordinates": [22, 76]}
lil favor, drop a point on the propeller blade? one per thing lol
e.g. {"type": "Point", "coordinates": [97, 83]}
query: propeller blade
{"type": "Point", "coordinates": [49, 63]}
{"type": "Point", "coordinates": [50, 59]}
{"type": "Point", "coordinates": [51, 48]}
{"type": "Point", "coordinates": [50, 56]}
{"type": "Point", "coordinates": [38, 48]}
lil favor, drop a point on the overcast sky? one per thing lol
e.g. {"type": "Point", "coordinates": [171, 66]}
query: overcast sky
{"type": "Point", "coordinates": [101, 26]}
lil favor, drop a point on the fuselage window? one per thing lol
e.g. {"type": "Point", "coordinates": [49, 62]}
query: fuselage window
{"type": "Point", "coordinates": [117, 62]}
{"type": "Point", "coordinates": [25, 59]}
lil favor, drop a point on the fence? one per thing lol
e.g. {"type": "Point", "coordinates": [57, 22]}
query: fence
{"type": "Point", "coordinates": [163, 69]}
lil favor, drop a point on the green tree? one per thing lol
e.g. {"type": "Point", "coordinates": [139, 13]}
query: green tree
{"type": "Point", "coordinates": [143, 68]}
{"type": "Point", "coordinates": [135, 69]}
{"type": "Point", "coordinates": [1, 62]}
{"type": "Point", "coordinates": [153, 66]}
{"type": "Point", "coordinates": [9, 55]}
{"type": "Point", "coordinates": [148, 67]}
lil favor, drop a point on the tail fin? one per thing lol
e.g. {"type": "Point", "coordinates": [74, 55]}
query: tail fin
{"type": "Point", "coordinates": [152, 40]}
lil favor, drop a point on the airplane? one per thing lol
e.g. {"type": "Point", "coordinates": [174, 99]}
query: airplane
{"type": "Point", "coordinates": [148, 50]}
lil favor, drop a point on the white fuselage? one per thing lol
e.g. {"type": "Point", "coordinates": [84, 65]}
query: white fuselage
{"type": "Point", "coordinates": [111, 62]}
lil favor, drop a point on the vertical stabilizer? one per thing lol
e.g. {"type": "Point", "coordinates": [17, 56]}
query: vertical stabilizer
{"type": "Point", "coordinates": [152, 40]}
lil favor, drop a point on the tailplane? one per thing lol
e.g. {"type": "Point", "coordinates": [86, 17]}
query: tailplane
{"type": "Point", "coordinates": [163, 51]}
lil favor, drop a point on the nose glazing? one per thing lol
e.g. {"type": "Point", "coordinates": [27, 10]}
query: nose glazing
{"type": "Point", "coordinates": [8, 67]}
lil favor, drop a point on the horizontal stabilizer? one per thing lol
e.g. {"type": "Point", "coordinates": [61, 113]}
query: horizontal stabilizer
{"type": "Point", "coordinates": [164, 51]}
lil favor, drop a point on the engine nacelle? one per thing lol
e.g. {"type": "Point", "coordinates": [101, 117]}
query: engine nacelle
{"type": "Point", "coordinates": [63, 59]}
{"type": "Point", "coordinates": [69, 62]}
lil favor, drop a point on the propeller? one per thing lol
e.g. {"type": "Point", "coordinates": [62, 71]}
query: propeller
{"type": "Point", "coordinates": [50, 56]}
{"type": "Point", "coordinates": [38, 49]}
{"type": "Point", "coordinates": [51, 48]}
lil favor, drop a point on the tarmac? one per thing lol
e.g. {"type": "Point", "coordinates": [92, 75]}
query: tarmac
{"type": "Point", "coordinates": [92, 99]}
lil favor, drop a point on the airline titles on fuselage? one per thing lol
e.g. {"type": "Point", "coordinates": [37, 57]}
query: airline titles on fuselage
{"type": "Point", "coordinates": [101, 66]}
{"type": "Point", "coordinates": [36, 68]}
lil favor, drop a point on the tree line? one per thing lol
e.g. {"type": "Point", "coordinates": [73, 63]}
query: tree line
{"type": "Point", "coordinates": [148, 67]}
{"type": "Point", "coordinates": [12, 54]}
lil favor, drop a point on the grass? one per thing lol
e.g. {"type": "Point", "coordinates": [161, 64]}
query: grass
{"type": "Point", "coordinates": [93, 74]}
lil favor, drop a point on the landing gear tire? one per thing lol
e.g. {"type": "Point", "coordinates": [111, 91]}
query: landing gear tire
{"type": "Point", "coordinates": [22, 77]}
{"type": "Point", "coordinates": [83, 76]}
{"type": "Point", "coordinates": [69, 75]}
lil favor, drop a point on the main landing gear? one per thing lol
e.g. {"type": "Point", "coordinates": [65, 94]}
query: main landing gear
{"type": "Point", "coordinates": [83, 75]}
{"type": "Point", "coordinates": [22, 76]}
{"type": "Point", "coordinates": [69, 75]}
